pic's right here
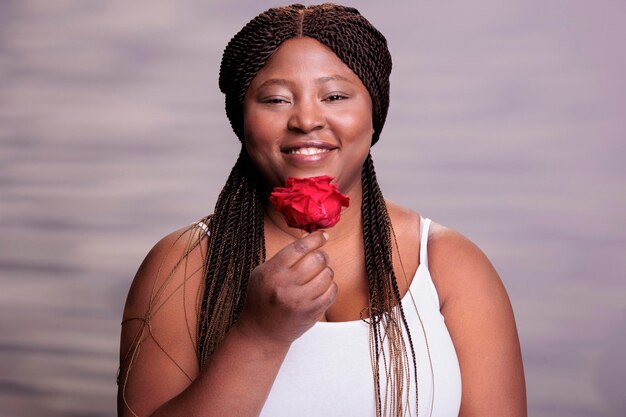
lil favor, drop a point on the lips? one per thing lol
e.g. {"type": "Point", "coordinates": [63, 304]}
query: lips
{"type": "Point", "coordinates": [307, 148]}
{"type": "Point", "coordinates": [307, 151]}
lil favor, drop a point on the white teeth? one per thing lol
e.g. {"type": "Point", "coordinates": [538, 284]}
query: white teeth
{"type": "Point", "coordinates": [308, 151]}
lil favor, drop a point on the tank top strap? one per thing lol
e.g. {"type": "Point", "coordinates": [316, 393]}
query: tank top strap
{"type": "Point", "coordinates": [424, 226]}
{"type": "Point", "coordinates": [202, 225]}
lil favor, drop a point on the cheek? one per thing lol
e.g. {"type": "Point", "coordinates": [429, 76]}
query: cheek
{"type": "Point", "coordinates": [252, 126]}
{"type": "Point", "coordinates": [355, 128]}
{"type": "Point", "coordinates": [259, 131]}
{"type": "Point", "coordinates": [260, 136]}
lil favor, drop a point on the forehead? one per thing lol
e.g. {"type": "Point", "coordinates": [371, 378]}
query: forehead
{"type": "Point", "coordinates": [301, 58]}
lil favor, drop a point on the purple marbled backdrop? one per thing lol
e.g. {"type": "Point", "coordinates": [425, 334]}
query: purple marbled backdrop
{"type": "Point", "coordinates": [507, 123]}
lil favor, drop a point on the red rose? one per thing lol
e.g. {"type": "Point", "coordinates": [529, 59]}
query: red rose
{"type": "Point", "coordinates": [309, 203]}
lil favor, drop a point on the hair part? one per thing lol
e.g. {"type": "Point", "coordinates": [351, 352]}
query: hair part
{"type": "Point", "coordinates": [342, 29]}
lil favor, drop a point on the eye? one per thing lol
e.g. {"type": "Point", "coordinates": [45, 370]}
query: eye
{"type": "Point", "coordinates": [275, 100]}
{"type": "Point", "coordinates": [335, 97]}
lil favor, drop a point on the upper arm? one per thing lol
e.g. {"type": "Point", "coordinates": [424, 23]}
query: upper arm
{"type": "Point", "coordinates": [158, 342]}
{"type": "Point", "coordinates": [480, 320]}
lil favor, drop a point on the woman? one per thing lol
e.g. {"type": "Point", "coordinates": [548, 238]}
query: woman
{"type": "Point", "coordinates": [242, 315]}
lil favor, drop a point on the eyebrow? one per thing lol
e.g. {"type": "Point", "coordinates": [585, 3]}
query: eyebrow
{"type": "Point", "coordinates": [335, 77]}
{"type": "Point", "coordinates": [288, 83]}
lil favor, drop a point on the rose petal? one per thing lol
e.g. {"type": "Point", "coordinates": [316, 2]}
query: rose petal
{"type": "Point", "coordinates": [309, 203]}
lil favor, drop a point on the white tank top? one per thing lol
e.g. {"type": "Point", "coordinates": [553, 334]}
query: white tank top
{"type": "Point", "coordinates": [328, 373]}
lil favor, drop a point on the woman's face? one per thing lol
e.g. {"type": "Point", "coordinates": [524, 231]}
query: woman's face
{"type": "Point", "coordinates": [307, 114]}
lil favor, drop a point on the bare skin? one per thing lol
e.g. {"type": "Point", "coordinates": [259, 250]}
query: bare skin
{"type": "Point", "coordinates": [305, 96]}
{"type": "Point", "coordinates": [473, 301]}
{"type": "Point", "coordinates": [287, 295]}
{"type": "Point", "coordinates": [480, 320]}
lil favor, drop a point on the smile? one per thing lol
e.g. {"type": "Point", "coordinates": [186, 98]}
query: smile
{"type": "Point", "coordinates": [307, 151]}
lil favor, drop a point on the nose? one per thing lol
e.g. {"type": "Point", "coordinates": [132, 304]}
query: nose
{"type": "Point", "coordinates": [306, 116]}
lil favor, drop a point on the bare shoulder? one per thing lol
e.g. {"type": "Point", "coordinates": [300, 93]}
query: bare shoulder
{"type": "Point", "coordinates": [169, 264]}
{"type": "Point", "coordinates": [401, 213]}
{"type": "Point", "coordinates": [480, 320]}
{"type": "Point", "coordinates": [158, 339]}
{"type": "Point", "coordinates": [457, 266]}
{"type": "Point", "coordinates": [404, 220]}
{"type": "Point", "coordinates": [465, 279]}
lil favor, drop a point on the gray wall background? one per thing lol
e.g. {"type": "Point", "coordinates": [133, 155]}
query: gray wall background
{"type": "Point", "coordinates": [507, 123]}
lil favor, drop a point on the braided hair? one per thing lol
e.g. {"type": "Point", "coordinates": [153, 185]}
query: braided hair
{"type": "Point", "coordinates": [237, 245]}
{"type": "Point", "coordinates": [348, 34]}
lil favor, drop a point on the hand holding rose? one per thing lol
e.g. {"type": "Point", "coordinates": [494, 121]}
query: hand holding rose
{"type": "Point", "coordinates": [289, 293]}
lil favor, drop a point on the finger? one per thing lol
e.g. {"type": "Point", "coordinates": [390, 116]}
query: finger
{"type": "Point", "coordinates": [292, 253]}
{"type": "Point", "coordinates": [317, 286]}
{"type": "Point", "coordinates": [309, 266]}
{"type": "Point", "coordinates": [327, 298]}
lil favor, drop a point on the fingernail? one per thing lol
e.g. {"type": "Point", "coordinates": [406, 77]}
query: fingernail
{"type": "Point", "coordinates": [325, 235]}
